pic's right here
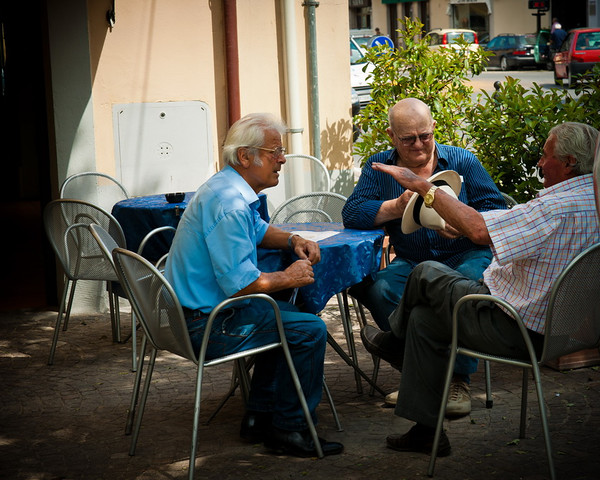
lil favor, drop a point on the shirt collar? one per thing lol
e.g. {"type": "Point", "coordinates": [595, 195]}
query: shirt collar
{"type": "Point", "coordinates": [238, 182]}
{"type": "Point", "coordinates": [566, 185]}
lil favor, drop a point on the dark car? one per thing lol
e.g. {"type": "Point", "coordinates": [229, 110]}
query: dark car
{"type": "Point", "coordinates": [511, 51]}
{"type": "Point", "coordinates": [577, 55]}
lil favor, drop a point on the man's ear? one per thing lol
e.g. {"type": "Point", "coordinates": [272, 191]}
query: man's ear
{"type": "Point", "coordinates": [244, 157]}
{"type": "Point", "coordinates": [571, 161]}
{"type": "Point", "coordinates": [390, 133]}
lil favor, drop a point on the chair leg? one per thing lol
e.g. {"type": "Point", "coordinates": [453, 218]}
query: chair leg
{"type": "Point", "coordinates": [142, 406]}
{"type": "Point", "coordinates": [523, 420]}
{"type": "Point", "coordinates": [133, 342]}
{"type": "Point", "coordinates": [489, 401]}
{"type": "Point", "coordinates": [342, 299]}
{"type": "Point", "coordinates": [136, 388]}
{"type": "Point", "coordinates": [362, 318]}
{"type": "Point", "coordinates": [69, 305]}
{"type": "Point", "coordinates": [61, 309]}
{"type": "Point", "coordinates": [194, 446]}
{"type": "Point", "coordinates": [442, 412]}
{"type": "Point", "coordinates": [332, 405]}
{"type": "Point", "coordinates": [544, 418]}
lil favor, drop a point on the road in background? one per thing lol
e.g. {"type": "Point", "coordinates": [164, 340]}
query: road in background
{"type": "Point", "coordinates": [485, 81]}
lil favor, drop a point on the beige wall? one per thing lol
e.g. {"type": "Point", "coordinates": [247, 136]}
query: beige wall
{"type": "Point", "coordinates": [505, 18]}
{"type": "Point", "coordinates": [173, 50]}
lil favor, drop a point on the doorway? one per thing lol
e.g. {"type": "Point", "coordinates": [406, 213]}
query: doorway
{"type": "Point", "coordinates": [29, 279]}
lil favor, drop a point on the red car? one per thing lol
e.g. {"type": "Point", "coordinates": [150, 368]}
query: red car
{"type": "Point", "coordinates": [578, 54]}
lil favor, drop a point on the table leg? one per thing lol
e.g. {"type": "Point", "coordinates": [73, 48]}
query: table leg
{"type": "Point", "coordinates": [340, 351]}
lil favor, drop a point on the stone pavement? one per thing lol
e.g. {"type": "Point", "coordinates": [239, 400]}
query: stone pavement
{"type": "Point", "coordinates": [66, 421]}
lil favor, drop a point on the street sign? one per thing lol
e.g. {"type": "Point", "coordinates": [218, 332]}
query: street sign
{"type": "Point", "coordinates": [539, 4]}
{"type": "Point", "coordinates": [380, 41]}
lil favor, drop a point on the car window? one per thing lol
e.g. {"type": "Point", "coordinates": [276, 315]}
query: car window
{"type": "Point", "coordinates": [588, 41]}
{"type": "Point", "coordinates": [567, 43]}
{"type": "Point", "coordinates": [434, 39]}
{"type": "Point", "coordinates": [494, 43]}
{"type": "Point", "coordinates": [527, 40]}
{"type": "Point", "coordinates": [356, 55]}
{"type": "Point", "coordinates": [453, 36]}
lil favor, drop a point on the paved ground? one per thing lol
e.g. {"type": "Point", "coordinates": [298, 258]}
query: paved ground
{"type": "Point", "coordinates": [66, 421]}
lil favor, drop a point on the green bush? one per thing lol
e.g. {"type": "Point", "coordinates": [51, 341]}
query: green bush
{"type": "Point", "coordinates": [436, 76]}
{"type": "Point", "coordinates": [506, 130]}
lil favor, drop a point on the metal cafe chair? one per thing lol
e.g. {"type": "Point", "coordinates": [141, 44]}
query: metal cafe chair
{"type": "Point", "coordinates": [572, 324]}
{"type": "Point", "coordinates": [161, 315]}
{"type": "Point", "coordinates": [323, 207]}
{"type": "Point", "coordinates": [66, 223]}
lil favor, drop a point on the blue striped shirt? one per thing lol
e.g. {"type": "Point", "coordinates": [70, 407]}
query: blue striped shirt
{"type": "Point", "coordinates": [373, 188]}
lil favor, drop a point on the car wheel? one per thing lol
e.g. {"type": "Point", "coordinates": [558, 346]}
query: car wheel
{"type": "Point", "coordinates": [557, 81]}
{"type": "Point", "coordinates": [503, 64]}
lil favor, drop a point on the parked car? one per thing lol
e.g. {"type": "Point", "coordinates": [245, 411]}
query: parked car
{"type": "Point", "coordinates": [360, 70]}
{"type": "Point", "coordinates": [577, 55]}
{"type": "Point", "coordinates": [512, 51]}
{"type": "Point", "coordinates": [447, 37]}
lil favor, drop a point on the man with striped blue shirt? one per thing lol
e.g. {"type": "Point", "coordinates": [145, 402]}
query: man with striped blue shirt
{"type": "Point", "coordinates": [379, 201]}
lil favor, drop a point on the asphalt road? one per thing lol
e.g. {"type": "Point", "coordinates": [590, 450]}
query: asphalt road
{"type": "Point", "coordinates": [485, 81]}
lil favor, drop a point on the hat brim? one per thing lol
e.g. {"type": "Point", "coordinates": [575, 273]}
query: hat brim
{"type": "Point", "coordinates": [411, 220]}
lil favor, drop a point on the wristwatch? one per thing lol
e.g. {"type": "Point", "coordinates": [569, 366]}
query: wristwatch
{"type": "Point", "coordinates": [430, 197]}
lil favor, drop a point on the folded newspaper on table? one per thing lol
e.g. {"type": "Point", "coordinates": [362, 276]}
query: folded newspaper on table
{"type": "Point", "coordinates": [315, 236]}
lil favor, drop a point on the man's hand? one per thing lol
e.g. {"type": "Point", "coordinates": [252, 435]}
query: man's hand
{"type": "Point", "coordinates": [405, 177]}
{"type": "Point", "coordinates": [300, 273]}
{"type": "Point", "coordinates": [306, 249]}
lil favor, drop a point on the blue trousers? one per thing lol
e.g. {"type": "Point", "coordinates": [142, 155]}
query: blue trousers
{"type": "Point", "coordinates": [272, 389]}
{"type": "Point", "coordinates": [382, 295]}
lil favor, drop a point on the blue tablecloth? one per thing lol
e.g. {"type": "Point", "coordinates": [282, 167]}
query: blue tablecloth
{"type": "Point", "coordinates": [346, 258]}
{"type": "Point", "coordinates": [140, 215]}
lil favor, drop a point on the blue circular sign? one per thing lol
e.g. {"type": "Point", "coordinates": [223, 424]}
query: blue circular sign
{"type": "Point", "coordinates": [380, 41]}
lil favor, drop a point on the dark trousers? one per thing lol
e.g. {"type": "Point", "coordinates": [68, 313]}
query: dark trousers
{"type": "Point", "coordinates": [422, 322]}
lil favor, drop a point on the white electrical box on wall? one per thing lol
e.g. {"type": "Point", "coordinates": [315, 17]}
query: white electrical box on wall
{"type": "Point", "coordinates": [163, 147]}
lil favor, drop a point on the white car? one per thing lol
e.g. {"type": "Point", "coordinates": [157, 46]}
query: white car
{"type": "Point", "coordinates": [447, 37]}
{"type": "Point", "coordinates": [360, 70]}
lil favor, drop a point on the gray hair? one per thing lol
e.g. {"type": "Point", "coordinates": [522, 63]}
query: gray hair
{"type": "Point", "coordinates": [577, 140]}
{"type": "Point", "coordinates": [249, 131]}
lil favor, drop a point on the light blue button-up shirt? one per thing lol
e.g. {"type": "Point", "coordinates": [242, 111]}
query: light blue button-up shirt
{"type": "Point", "coordinates": [214, 252]}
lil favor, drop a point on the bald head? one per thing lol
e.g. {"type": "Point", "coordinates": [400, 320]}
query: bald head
{"type": "Point", "coordinates": [409, 112]}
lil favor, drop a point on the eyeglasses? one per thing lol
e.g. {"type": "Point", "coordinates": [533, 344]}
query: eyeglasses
{"type": "Point", "coordinates": [276, 152]}
{"type": "Point", "coordinates": [408, 141]}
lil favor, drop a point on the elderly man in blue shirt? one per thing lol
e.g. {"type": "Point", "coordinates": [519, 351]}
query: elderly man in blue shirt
{"type": "Point", "coordinates": [379, 201]}
{"type": "Point", "coordinates": [214, 257]}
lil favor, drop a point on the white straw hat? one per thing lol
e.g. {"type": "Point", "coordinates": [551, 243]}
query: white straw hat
{"type": "Point", "coordinates": [416, 215]}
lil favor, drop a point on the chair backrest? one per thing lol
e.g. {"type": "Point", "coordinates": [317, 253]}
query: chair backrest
{"type": "Point", "coordinates": [573, 316]}
{"type": "Point", "coordinates": [311, 207]}
{"type": "Point", "coordinates": [154, 303]}
{"type": "Point", "coordinates": [94, 187]}
{"type": "Point", "coordinates": [300, 174]}
{"type": "Point", "coordinates": [510, 201]}
{"type": "Point", "coordinates": [66, 223]}
{"type": "Point", "coordinates": [105, 241]}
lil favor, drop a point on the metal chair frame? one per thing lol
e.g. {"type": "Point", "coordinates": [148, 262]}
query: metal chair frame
{"type": "Point", "coordinates": [572, 324]}
{"type": "Point", "coordinates": [161, 316]}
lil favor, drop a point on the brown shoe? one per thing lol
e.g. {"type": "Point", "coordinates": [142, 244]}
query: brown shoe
{"type": "Point", "coordinates": [419, 439]}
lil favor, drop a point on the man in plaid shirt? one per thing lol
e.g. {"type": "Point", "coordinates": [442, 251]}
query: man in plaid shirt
{"type": "Point", "coordinates": [532, 243]}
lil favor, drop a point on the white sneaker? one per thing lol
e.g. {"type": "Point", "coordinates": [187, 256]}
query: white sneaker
{"type": "Point", "coordinates": [391, 399]}
{"type": "Point", "coordinates": [459, 399]}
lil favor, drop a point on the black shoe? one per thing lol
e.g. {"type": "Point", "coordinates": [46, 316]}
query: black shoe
{"type": "Point", "coordinates": [419, 439]}
{"type": "Point", "coordinates": [256, 426]}
{"type": "Point", "coordinates": [299, 444]}
{"type": "Point", "coordinates": [383, 344]}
